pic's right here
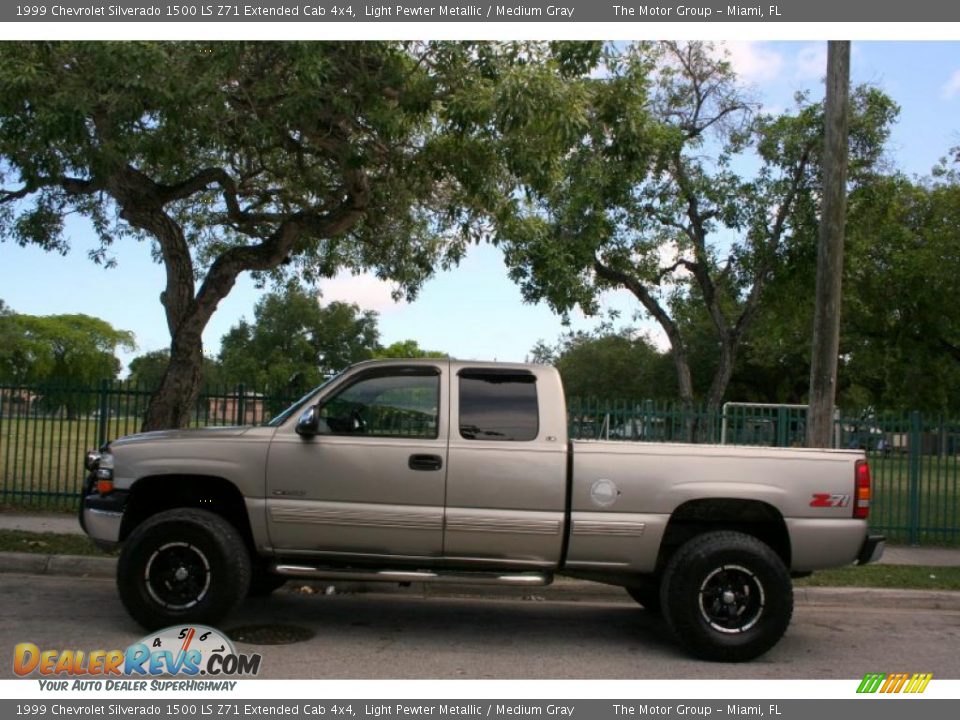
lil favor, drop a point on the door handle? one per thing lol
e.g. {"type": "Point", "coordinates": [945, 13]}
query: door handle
{"type": "Point", "coordinates": [425, 462]}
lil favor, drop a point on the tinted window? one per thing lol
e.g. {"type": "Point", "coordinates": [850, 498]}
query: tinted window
{"type": "Point", "coordinates": [498, 406]}
{"type": "Point", "coordinates": [386, 405]}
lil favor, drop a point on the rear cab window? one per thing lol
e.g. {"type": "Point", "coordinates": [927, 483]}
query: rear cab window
{"type": "Point", "coordinates": [498, 405]}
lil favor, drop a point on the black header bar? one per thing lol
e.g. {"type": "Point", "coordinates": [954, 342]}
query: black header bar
{"type": "Point", "coordinates": [420, 11]}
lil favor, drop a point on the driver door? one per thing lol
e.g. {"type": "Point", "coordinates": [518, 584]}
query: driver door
{"type": "Point", "coordinates": [371, 481]}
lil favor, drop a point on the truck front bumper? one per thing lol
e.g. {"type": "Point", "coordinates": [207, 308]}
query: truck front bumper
{"type": "Point", "coordinates": [101, 517]}
{"type": "Point", "coordinates": [872, 549]}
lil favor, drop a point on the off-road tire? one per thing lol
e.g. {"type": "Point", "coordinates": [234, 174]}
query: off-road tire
{"type": "Point", "coordinates": [727, 596]}
{"type": "Point", "coordinates": [646, 594]}
{"type": "Point", "coordinates": [183, 565]}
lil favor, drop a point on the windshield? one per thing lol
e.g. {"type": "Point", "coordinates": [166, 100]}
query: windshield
{"type": "Point", "coordinates": [282, 417]}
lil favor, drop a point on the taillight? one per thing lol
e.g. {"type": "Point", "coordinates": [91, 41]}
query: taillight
{"type": "Point", "coordinates": [861, 502]}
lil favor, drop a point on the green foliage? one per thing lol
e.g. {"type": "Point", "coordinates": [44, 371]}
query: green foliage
{"type": "Point", "coordinates": [407, 349]}
{"type": "Point", "coordinates": [146, 371]}
{"type": "Point", "coordinates": [282, 159]}
{"type": "Point", "coordinates": [60, 352]}
{"type": "Point", "coordinates": [294, 342]}
{"type": "Point", "coordinates": [682, 194]}
{"type": "Point", "coordinates": [62, 349]}
{"type": "Point", "coordinates": [410, 140]}
{"type": "Point", "coordinates": [610, 365]}
{"type": "Point", "coordinates": [901, 337]}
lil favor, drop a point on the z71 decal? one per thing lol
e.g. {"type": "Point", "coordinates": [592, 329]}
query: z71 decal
{"type": "Point", "coordinates": [830, 500]}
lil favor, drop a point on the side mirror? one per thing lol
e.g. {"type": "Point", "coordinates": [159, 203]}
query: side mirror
{"type": "Point", "coordinates": [309, 423]}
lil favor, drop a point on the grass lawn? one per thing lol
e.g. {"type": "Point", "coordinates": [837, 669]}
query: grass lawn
{"type": "Point", "coordinates": [48, 543]}
{"type": "Point", "coordinates": [43, 455]}
{"type": "Point", "coordinates": [937, 497]}
{"type": "Point", "coordinates": [916, 577]}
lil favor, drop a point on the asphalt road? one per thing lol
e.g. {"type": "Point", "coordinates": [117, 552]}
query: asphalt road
{"type": "Point", "coordinates": [398, 636]}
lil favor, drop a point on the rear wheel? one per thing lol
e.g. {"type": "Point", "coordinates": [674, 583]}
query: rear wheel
{"type": "Point", "coordinates": [183, 565]}
{"type": "Point", "coordinates": [727, 596]}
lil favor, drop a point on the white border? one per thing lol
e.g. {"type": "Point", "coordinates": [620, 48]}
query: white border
{"type": "Point", "coordinates": [742, 691]}
{"type": "Point", "coordinates": [244, 30]}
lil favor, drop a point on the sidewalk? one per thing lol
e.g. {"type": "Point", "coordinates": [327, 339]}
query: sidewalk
{"type": "Point", "coordinates": [67, 524]}
{"type": "Point", "coordinates": [59, 523]}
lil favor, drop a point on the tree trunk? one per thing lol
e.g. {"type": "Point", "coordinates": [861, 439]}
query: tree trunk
{"type": "Point", "coordinates": [826, 322]}
{"type": "Point", "coordinates": [684, 379]}
{"type": "Point", "coordinates": [718, 387]}
{"type": "Point", "coordinates": [677, 346]}
{"type": "Point", "coordinates": [684, 387]}
{"type": "Point", "coordinates": [173, 403]}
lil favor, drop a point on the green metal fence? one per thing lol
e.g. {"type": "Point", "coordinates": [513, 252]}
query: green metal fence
{"type": "Point", "coordinates": [46, 430]}
{"type": "Point", "coordinates": [915, 459]}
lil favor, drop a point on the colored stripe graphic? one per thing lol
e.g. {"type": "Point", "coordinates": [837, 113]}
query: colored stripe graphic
{"type": "Point", "coordinates": [919, 682]}
{"type": "Point", "coordinates": [871, 682]}
{"type": "Point", "coordinates": [894, 682]}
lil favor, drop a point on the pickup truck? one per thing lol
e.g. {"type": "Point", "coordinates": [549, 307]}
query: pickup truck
{"type": "Point", "coordinates": [452, 471]}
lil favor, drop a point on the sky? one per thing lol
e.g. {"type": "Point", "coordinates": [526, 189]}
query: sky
{"type": "Point", "coordinates": [475, 311]}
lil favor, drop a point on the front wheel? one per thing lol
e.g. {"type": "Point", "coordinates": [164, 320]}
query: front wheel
{"type": "Point", "coordinates": [182, 565]}
{"type": "Point", "coordinates": [727, 596]}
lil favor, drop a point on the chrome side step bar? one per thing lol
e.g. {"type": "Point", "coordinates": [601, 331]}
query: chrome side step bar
{"type": "Point", "coordinates": [408, 576]}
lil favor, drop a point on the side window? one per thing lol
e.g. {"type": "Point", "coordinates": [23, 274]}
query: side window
{"type": "Point", "coordinates": [402, 405]}
{"type": "Point", "coordinates": [498, 406]}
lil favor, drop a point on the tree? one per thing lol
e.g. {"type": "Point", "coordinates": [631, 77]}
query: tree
{"type": "Point", "coordinates": [293, 341]}
{"type": "Point", "coordinates": [64, 352]}
{"type": "Point", "coordinates": [407, 349]}
{"type": "Point", "coordinates": [899, 334]}
{"type": "Point", "coordinates": [146, 371]}
{"type": "Point", "coordinates": [901, 339]}
{"type": "Point", "coordinates": [688, 223]}
{"type": "Point", "coordinates": [610, 365]}
{"type": "Point", "coordinates": [362, 155]}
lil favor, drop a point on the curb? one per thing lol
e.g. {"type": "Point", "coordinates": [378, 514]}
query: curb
{"type": "Point", "coordinates": [562, 590]}
{"type": "Point", "coordinates": [63, 565]}
{"type": "Point", "coordinates": [878, 597]}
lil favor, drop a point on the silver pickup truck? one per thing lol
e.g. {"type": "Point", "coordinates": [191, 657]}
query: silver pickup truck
{"type": "Point", "coordinates": [450, 471]}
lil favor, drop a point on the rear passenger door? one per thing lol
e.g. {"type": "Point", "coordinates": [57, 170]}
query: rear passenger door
{"type": "Point", "coordinates": [506, 477]}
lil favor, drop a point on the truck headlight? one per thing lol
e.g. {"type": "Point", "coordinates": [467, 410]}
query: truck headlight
{"type": "Point", "coordinates": [104, 474]}
{"type": "Point", "coordinates": [91, 459]}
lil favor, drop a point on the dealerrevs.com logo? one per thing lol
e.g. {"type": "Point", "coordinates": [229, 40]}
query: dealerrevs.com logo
{"type": "Point", "coordinates": [187, 651]}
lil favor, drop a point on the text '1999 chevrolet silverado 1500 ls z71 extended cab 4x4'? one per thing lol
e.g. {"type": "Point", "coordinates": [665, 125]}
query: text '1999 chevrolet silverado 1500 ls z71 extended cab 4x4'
{"type": "Point", "coordinates": [440, 470]}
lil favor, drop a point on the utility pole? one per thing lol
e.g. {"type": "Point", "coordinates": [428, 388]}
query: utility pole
{"type": "Point", "coordinates": [826, 321]}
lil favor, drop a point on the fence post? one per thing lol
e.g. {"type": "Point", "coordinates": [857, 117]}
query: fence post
{"type": "Point", "coordinates": [783, 426]}
{"type": "Point", "coordinates": [915, 449]}
{"type": "Point", "coordinates": [241, 404]}
{"type": "Point", "coordinates": [102, 412]}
